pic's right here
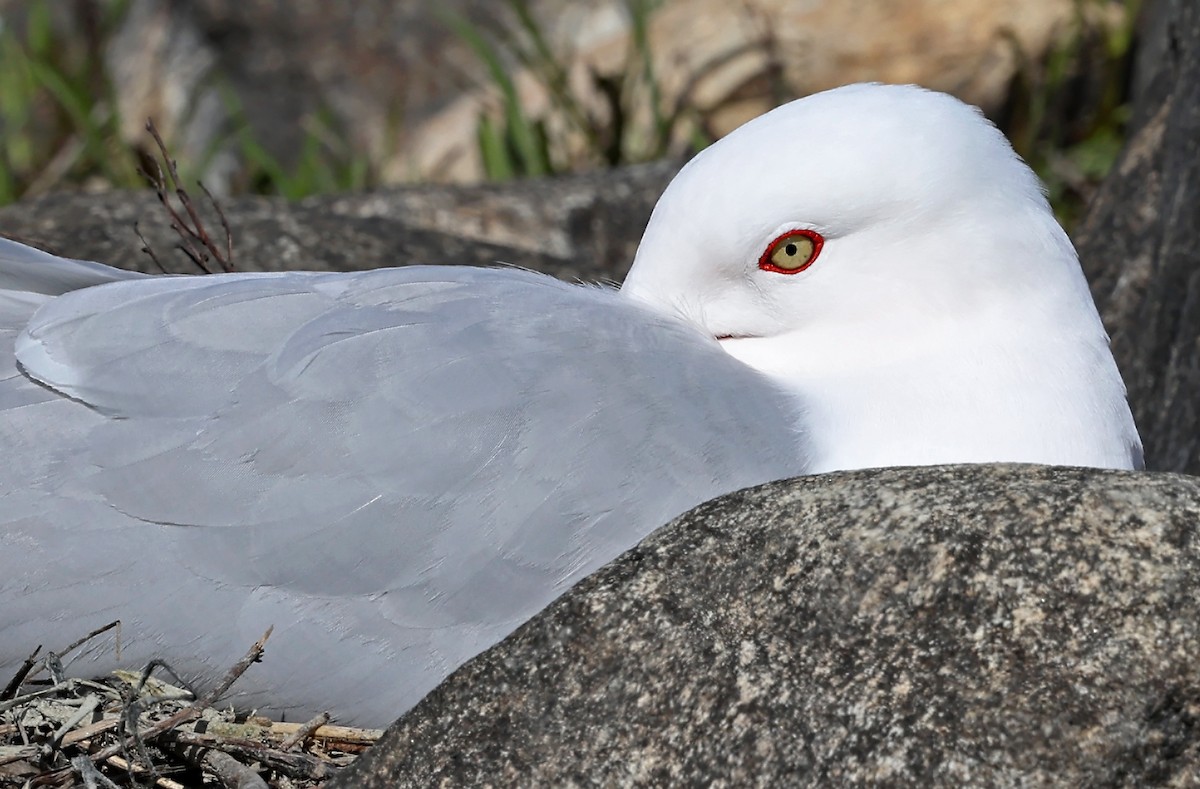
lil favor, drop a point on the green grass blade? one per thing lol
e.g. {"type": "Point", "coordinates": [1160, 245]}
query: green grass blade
{"type": "Point", "coordinates": [533, 158]}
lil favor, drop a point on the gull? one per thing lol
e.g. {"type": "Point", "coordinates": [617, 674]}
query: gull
{"type": "Point", "coordinates": [396, 468]}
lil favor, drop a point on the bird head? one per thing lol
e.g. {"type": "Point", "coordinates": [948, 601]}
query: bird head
{"type": "Point", "coordinates": [860, 207]}
{"type": "Point", "coordinates": [883, 254]}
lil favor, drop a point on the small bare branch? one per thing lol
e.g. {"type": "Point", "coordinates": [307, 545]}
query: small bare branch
{"type": "Point", "coordinates": [92, 778]}
{"type": "Point", "coordinates": [148, 249]}
{"type": "Point", "coordinates": [224, 225]}
{"type": "Point", "coordinates": [194, 239]}
{"type": "Point", "coordinates": [136, 731]}
{"type": "Point", "coordinates": [304, 732]}
{"type": "Point", "coordinates": [254, 655]}
{"type": "Point", "coordinates": [133, 769]}
{"type": "Point", "coordinates": [14, 684]}
{"type": "Point", "coordinates": [229, 771]}
{"type": "Point", "coordinates": [195, 708]}
{"type": "Point", "coordinates": [116, 623]}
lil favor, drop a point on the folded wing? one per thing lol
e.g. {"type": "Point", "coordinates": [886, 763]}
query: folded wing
{"type": "Point", "coordinates": [395, 468]}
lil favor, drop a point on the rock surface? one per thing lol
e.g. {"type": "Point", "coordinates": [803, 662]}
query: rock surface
{"type": "Point", "coordinates": [971, 625]}
{"type": "Point", "coordinates": [1140, 244]}
{"type": "Point", "coordinates": [584, 226]}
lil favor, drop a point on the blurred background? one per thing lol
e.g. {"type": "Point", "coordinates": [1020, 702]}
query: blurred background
{"type": "Point", "coordinates": [303, 97]}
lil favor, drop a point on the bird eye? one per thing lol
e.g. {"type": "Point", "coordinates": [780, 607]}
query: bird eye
{"type": "Point", "coordinates": [792, 252]}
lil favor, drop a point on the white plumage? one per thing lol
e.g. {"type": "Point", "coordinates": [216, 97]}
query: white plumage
{"type": "Point", "coordinates": [398, 467]}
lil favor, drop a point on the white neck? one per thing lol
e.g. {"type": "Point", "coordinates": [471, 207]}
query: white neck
{"type": "Point", "coordinates": [951, 393]}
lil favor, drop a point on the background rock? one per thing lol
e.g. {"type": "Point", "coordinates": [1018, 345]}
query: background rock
{"type": "Point", "coordinates": [583, 226]}
{"type": "Point", "coordinates": [730, 62]}
{"type": "Point", "coordinates": [954, 626]}
{"type": "Point", "coordinates": [1140, 244]}
{"type": "Point", "coordinates": [408, 91]}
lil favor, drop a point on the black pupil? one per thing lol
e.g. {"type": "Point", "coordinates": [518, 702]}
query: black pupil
{"type": "Point", "coordinates": [790, 249]}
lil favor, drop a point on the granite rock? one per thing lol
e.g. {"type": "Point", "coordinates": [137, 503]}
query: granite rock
{"type": "Point", "coordinates": [971, 625]}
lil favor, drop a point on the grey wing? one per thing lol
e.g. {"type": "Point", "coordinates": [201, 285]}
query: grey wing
{"type": "Point", "coordinates": [395, 468]}
{"type": "Point", "coordinates": [29, 270]}
{"type": "Point", "coordinates": [28, 279]}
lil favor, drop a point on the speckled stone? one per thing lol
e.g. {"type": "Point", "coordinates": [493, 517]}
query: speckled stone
{"type": "Point", "coordinates": [970, 625]}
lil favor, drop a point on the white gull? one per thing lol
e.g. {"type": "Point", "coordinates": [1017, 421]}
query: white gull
{"type": "Point", "coordinates": [396, 468]}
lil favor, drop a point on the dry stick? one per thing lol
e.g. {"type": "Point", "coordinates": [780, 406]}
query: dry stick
{"type": "Point", "coordinates": [335, 735]}
{"type": "Point", "coordinates": [298, 765]}
{"type": "Point", "coordinates": [92, 778]}
{"type": "Point", "coordinates": [31, 661]}
{"type": "Point", "coordinates": [254, 655]}
{"type": "Point", "coordinates": [180, 682]}
{"type": "Point", "coordinates": [14, 684]}
{"type": "Point", "coordinates": [192, 710]}
{"type": "Point", "coordinates": [304, 732]}
{"type": "Point", "coordinates": [230, 772]}
{"type": "Point", "coordinates": [228, 262]}
{"type": "Point", "coordinates": [121, 764]}
{"type": "Point", "coordinates": [37, 694]}
{"type": "Point", "coordinates": [196, 232]}
{"type": "Point", "coordinates": [199, 258]}
{"type": "Point", "coordinates": [341, 738]}
{"type": "Point", "coordinates": [149, 250]}
{"type": "Point", "coordinates": [90, 731]}
{"type": "Point", "coordinates": [23, 754]}
{"type": "Point", "coordinates": [102, 629]}
{"type": "Point", "coordinates": [87, 708]}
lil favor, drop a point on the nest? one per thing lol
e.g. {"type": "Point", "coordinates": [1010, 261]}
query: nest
{"type": "Point", "coordinates": [133, 729]}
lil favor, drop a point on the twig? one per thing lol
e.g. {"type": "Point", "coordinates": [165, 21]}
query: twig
{"type": "Point", "coordinates": [196, 707]}
{"type": "Point", "coordinates": [254, 655]}
{"type": "Point", "coordinates": [90, 731]}
{"type": "Point", "coordinates": [195, 242]}
{"type": "Point", "coordinates": [304, 732]}
{"type": "Point", "coordinates": [228, 262]}
{"type": "Point", "coordinates": [230, 772]}
{"type": "Point", "coordinates": [102, 629]}
{"type": "Point", "coordinates": [335, 735]}
{"type": "Point", "coordinates": [92, 778]}
{"type": "Point", "coordinates": [133, 769]}
{"type": "Point", "coordinates": [84, 711]}
{"type": "Point", "coordinates": [149, 250]}
{"type": "Point", "coordinates": [295, 764]}
{"type": "Point", "coordinates": [14, 684]}
{"type": "Point", "coordinates": [37, 694]}
{"type": "Point", "coordinates": [145, 677]}
{"type": "Point", "coordinates": [52, 661]}
{"type": "Point", "coordinates": [19, 755]}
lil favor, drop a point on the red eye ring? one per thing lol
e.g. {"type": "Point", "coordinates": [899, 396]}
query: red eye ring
{"type": "Point", "coordinates": [766, 260]}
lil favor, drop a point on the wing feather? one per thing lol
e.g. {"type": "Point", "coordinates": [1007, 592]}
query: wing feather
{"type": "Point", "coordinates": [393, 467]}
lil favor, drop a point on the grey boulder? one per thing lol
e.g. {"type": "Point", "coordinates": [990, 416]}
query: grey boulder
{"type": "Point", "coordinates": [970, 625]}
